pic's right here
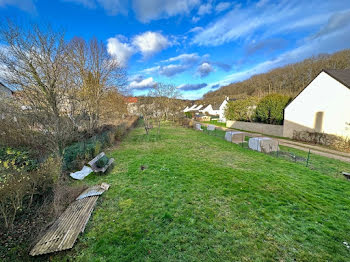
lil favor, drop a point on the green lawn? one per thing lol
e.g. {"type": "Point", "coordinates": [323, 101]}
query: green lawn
{"type": "Point", "coordinates": [201, 198]}
{"type": "Point", "coordinates": [216, 123]}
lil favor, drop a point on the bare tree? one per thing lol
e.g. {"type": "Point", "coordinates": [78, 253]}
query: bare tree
{"type": "Point", "coordinates": [95, 74]}
{"type": "Point", "coordinates": [35, 62]}
{"type": "Point", "coordinates": [164, 96]}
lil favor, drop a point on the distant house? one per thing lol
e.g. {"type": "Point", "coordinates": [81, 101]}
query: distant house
{"type": "Point", "coordinates": [5, 91]}
{"type": "Point", "coordinates": [219, 109]}
{"type": "Point", "coordinates": [189, 108]}
{"type": "Point", "coordinates": [208, 109]}
{"type": "Point", "coordinates": [131, 105]}
{"type": "Point", "coordinates": [193, 108]}
{"type": "Point", "coordinates": [322, 106]}
{"type": "Point", "coordinates": [196, 109]}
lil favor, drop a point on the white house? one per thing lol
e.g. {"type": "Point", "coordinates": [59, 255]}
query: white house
{"type": "Point", "coordinates": [208, 109]}
{"type": "Point", "coordinates": [188, 109]}
{"type": "Point", "coordinates": [219, 109]}
{"type": "Point", "coordinates": [322, 106]}
{"type": "Point", "coordinates": [197, 108]}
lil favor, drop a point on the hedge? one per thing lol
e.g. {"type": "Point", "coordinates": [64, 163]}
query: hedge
{"type": "Point", "coordinates": [270, 109]}
{"type": "Point", "coordinates": [241, 110]}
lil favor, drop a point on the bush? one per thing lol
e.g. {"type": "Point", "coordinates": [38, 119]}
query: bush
{"type": "Point", "coordinates": [241, 110]}
{"type": "Point", "coordinates": [120, 132]}
{"type": "Point", "coordinates": [17, 159]}
{"type": "Point", "coordinates": [270, 108]}
{"type": "Point", "coordinates": [332, 141]}
{"type": "Point", "coordinates": [18, 186]}
{"type": "Point", "coordinates": [102, 162]}
{"type": "Point", "coordinates": [188, 114]}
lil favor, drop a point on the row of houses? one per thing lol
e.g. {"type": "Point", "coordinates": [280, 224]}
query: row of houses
{"type": "Point", "coordinates": [323, 106]}
{"type": "Point", "coordinates": [214, 110]}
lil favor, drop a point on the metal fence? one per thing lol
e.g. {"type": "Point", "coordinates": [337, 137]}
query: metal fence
{"type": "Point", "coordinates": [306, 158]}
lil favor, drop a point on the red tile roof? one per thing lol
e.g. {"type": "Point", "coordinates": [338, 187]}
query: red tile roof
{"type": "Point", "coordinates": [130, 99]}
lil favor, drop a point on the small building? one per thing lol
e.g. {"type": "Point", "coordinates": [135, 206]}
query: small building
{"type": "Point", "coordinates": [201, 117]}
{"type": "Point", "coordinates": [131, 105]}
{"type": "Point", "coordinates": [323, 106]}
{"type": "Point", "coordinates": [208, 109]}
{"type": "Point", "coordinates": [190, 108]}
{"type": "Point", "coordinates": [219, 109]}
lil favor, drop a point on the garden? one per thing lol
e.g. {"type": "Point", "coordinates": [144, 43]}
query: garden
{"type": "Point", "coordinates": [184, 195]}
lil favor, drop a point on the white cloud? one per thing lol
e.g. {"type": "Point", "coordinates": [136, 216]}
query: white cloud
{"type": "Point", "coordinates": [151, 70]}
{"type": "Point", "coordinates": [196, 29]}
{"type": "Point", "coordinates": [195, 19]}
{"type": "Point", "coordinates": [150, 43]}
{"type": "Point", "coordinates": [222, 7]}
{"type": "Point", "coordinates": [147, 44]}
{"type": "Point", "coordinates": [261, 3]}
{"type": "Point", "coordinates": [332, 42]}
{"type": "Point", "coordinates": [267, 20]}
{"type": "Point", "coordinates": [142, 84]}
{"type": "Point", "coordinates": [114, 7]}
{"type": "Point", "coordinates": [147, 10]}
{"type": "Point", "coordinates": [85, 3]}
{"type": "Point", "coordinates": [171, 70]}
{"type": "Point", "coordinates": [191, 87]}
{"type": "Point", "coordinates": [336, 21]}
{"type": "Point", "coordinates": [168, 70]}
{"type": "Point", "coordinates": [184, 58]}
{"type": "Point", "coordinates": [204, 9]}
{"type": "Point", "coordinates": [205, 69]}
{"type": "Point", "coordinates": [25, 5]}
{"type": "Point", "coordinates": [121, 51]}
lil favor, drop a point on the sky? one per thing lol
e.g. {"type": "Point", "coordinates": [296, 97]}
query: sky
{"type": "Point", "coordinates": [196, 45]}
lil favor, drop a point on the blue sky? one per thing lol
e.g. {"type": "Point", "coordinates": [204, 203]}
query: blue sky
{"type": "Point", "coordinates": [196, 45]}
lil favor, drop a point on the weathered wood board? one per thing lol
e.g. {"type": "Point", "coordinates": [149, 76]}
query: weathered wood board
{"type": "Point", "coordinates": [96, 169]}
{"type": "Point", "coordinates": [66, 229]}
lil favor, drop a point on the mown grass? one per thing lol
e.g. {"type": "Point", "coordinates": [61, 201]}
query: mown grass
{"type": "Point", "coordinates": [215, 122]}
{"type": "Point", "coordinates": [200, 198]}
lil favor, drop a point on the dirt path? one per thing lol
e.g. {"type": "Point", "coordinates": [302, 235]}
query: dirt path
{"type": "Point", "coordinates": [321, 151]}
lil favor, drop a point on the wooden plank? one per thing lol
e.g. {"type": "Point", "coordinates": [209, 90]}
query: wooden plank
{"type": "Point", "coordinates": [66, 229]}
{"type": "Point", "coordinates": [93, 161]}
{"type": "Point", "coordinates": [96, 169]}
{"type": "Point", "coordinates": [64, 232]}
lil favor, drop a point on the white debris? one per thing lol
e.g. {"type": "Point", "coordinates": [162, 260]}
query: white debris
{"type": "Point", "coordinates": [234, 136]}
{"type": "Point", "coordinates": [263, 144]}
{"type": "Point", "coordinates": [199, 127]}
{"type": "Point", "coordinates": [80, 175]}
{"type": "Point", "coordinates": [211, 128]}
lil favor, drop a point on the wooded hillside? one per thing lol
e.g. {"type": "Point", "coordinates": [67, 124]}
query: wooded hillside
{"type": "Point", "coordinates": [289, 80]}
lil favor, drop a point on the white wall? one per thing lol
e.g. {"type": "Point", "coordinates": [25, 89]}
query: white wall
{"type": "Point", "coordinates": [273, 130]}
{"type": "Point", "coordinates": [222, 110]}
{"type": "Point", "coordinates": [323, 106]}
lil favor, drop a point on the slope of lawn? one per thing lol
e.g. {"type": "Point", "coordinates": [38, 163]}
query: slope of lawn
{"type": "Point", "coordinates": [200, 198]}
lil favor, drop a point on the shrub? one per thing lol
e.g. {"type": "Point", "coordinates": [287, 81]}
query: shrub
{"type": "Point", "coordinates": [241, 110]}
{"type": "Point", "coordinates": [75, 154]}
{"type": "Point", "coordinates": [188, 114]}
{"type": "Point", "coordinates": [329, 140]}
{"type": "Point", "coordinates": [270, 108]}
{"type": "Point", "coordinates": [120, 132]}
{"type": "Point", "coordinates": [102, 162]}
{"type": "Point", "coordinates": [17, 159]}
{"type": "Point", "coordinates": [17, 186]}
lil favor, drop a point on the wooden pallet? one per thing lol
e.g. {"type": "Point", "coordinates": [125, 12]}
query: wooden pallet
{"type": "Point", "coordinates": [96, 169]}
{"type": "Point", "coordinates": [64, 232]}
